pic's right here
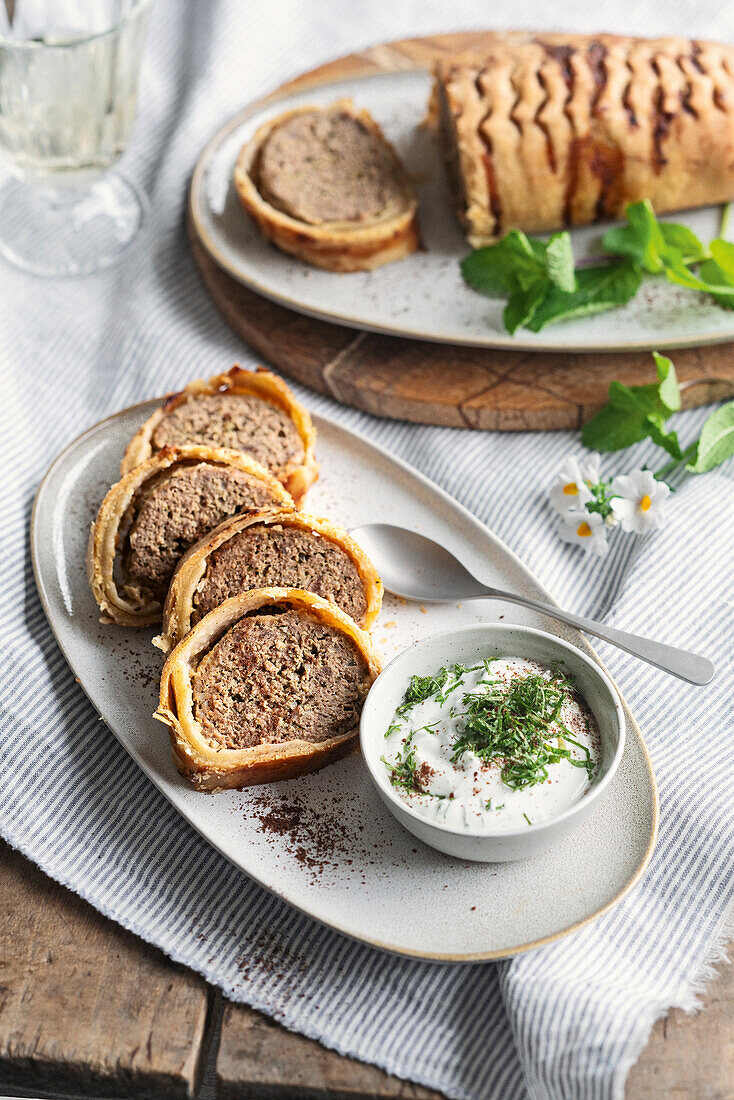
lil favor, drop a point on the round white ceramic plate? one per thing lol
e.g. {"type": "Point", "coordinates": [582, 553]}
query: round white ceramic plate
{"type": "Point", "coordinates": [325, 842]}
{"type": "Point", "coordinates": [423, 296]}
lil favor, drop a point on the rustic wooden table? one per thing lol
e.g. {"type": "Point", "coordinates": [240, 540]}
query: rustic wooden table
{"type": "Point", "coordinates": [87, 1009]}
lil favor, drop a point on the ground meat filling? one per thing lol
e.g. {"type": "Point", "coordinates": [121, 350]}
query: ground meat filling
{"type": "Point", "coordinates": [279, 677]}
{"type": "Point", "coordinates": [180, 508]}
{"type": "Point", "coordinates": [266, 556]}
{"type": "Point", "coordinates": [326, 166]}
{"type": "Point", "coordinates": [243, 422]}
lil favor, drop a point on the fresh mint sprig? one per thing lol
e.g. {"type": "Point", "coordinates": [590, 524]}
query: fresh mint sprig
{"type": "Point", "coordinates": [651, 244]}
{"type": "Point", "coordinates": [634, 413]}
{"type": "Point", "coordinates": [543, 286]}
{"type": "Point", "coordinates": [523, 269]}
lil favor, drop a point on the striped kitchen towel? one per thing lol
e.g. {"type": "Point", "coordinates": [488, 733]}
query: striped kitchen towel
{"type": "Point", "coordinates": [563, 1022]}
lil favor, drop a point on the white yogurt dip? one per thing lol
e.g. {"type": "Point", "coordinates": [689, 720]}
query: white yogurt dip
{"type": "Point", "coordinates": [499, 745]}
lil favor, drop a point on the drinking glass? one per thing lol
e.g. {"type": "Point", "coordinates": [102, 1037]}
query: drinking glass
{"type": "Point", "coordinates": [68, 82]}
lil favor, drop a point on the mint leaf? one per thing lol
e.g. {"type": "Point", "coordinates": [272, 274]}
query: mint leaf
{"type": "Point", "coordinates": [712, 274]}
{"type": "Point", "coordinates": [597, 289]}
{"type": "Point", "coordinates": [717, 440]}
{"type": "Point", "coordinates": [722, 291]}
{"type": "Point", "coordinates": [487, 270]}
{"type": "Point", "coordinates": [667, 440]}
{"type": "Point", "coordinates": [641, 240]}
{"type": "Point", "coordinates": [637, 412]}
{"type": "Point", "coordinates": [612, 430]}
{"type": "Point", "coordinates": [650, 243]}
{"type": "Point", "coordinates": [668, 390]}
{"type": "Point", "coordinates": [623, 421]}
{"type": "Point", "coordinates": [722, 253]}
{"type": "Point", "coordinates": [683, 240]}
{"type": "Point", "coordinates": [511, 263]}
{"type": "Point", "coordinates": [523, 268]}
{"type": "Point", "coordinates": [623, 241]}
{"type": "Point", "coordinates": [719, 270]}
{"type": "Point", "coordinates": [559, 262]}
{"type": "Point", "coordinates": [522, 304]}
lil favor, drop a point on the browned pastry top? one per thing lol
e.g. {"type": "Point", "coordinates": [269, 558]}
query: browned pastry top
{"type": "Point", "coordinates": [569, 128]}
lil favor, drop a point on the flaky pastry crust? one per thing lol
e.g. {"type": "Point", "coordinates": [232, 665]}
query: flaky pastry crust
{"type": "Point", "coordinates": [210, 768]}
{"type": "Point", "coordinates": [296, 477]}
{"type": "Point", "coordinates": [126, 604]}
{"type": "Point", "coordinates": [335, 246]}
{"type": "Point", "coordinates": [191, 570]}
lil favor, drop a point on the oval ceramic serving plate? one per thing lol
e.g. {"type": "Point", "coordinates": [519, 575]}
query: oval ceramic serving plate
{"type": "Point", "coordinates": [423, 296]}
{"type": "Point", "coordinates": [325, 842]}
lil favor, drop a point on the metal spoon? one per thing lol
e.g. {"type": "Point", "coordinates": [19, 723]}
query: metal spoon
{"type": "Point", "coordinates": [417, 568]}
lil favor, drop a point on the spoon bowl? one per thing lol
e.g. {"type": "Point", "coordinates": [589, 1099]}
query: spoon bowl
{"type": "Point", "coordinates": [417, 568]}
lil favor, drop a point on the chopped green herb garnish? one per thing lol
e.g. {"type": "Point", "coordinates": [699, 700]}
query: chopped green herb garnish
{"type": "Point", "coordinates": [455, 677]}
{"type": "Point", "coordinates": [489, 806]}
{"type": "Point", "coordinates": [404, 772]}
{"type": "Point", "coordinates": [394, 727]}
{"type": "Point", "coordinates": [430, 727]}
{"type": "Point", "coordinates": [516, 725]}
{"type": "Point", "coordinates": [421, 688]}
{"type": "Point", "coordinates": [439, 685]}
{"type": "Point", "coordinates": [527, 819]}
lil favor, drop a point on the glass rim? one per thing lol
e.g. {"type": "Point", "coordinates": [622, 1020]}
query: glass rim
{"type": "Point", "coordinates": [31, 44]}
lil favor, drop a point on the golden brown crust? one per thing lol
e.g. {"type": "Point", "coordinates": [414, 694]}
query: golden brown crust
{"type": "Point", "coordinates": [191, 570]}
{"type": "Point", "coordinates": [296, 477]}
{"type": "Point", "coordinates": [333, 246]}
{"type": "Point", "coordinates": [546, 130]}
{"type": "Point", "coordinates": [124, 604]}
{"type": "Point", "coordinates": [210, 768]}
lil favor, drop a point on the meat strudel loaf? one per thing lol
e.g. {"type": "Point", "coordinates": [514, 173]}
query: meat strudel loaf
{"type": "Point", "coordinates": [547, 130]}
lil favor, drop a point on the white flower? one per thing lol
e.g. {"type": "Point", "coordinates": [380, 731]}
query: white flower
{"type": "Point", "coordinates": [638, 500]}
{"type": "Point", "coordinates": [588, 530]}
{"type": "Point", "coordinates": [570, 492]}
{"type": "Point", "coordinates": [590, 468]}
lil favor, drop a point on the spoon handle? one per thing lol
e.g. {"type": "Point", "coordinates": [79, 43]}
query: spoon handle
{"type": "Point", "coordinates": [678, 662]}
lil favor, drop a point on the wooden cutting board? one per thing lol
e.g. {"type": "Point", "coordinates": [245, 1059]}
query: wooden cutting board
{"type": "Point", "coordinates": [438, 383]}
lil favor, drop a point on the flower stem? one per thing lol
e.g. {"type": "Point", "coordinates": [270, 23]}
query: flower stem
{"type": "Point", "coordinates": [688, 454]}
{"type": "Point", "coordinates": [725, 217]}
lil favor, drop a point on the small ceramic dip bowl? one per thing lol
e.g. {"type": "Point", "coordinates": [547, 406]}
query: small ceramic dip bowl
{"type": "Point", "coordinates": [469, 646]}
